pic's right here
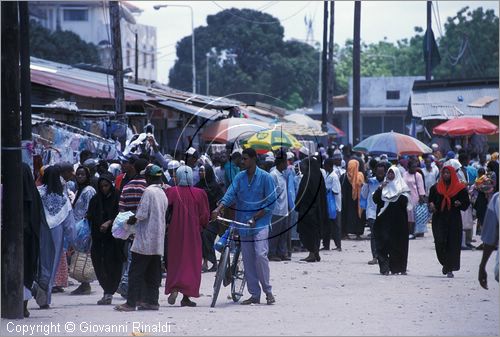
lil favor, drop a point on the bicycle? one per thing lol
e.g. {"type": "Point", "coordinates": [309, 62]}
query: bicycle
{"type": "Point", "coordinates": [230, 271]}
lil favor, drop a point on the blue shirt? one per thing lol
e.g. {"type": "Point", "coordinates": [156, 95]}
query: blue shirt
{"type": "Point", "coordinates": [367, 193]}
{"type": "Point", "coordinates": [249, 197]}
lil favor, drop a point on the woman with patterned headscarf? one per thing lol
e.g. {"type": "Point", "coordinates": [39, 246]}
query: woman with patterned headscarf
{"type": "Point", "coordinates": [190, 213]}
{"type": "Point", "coordinates": [446, 199]}
{"type": "Point", "coordinates": [391, 225]}
{"type": "Point", "coordinates": [352, 181]}
{"type": "Point", "coordinates": [60, 223]}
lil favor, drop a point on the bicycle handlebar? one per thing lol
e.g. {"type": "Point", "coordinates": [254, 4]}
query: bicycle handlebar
{"type": "Point", "coordinates": [233, 221]}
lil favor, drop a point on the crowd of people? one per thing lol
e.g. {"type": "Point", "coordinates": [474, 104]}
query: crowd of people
{"type": "Point", "coordinates": [293, 201]}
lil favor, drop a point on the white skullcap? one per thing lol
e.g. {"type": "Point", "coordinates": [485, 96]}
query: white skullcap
{"type": "Point", "coordinates": [173, 164]}
{"type": "Point", "coordinates": [304, 150]}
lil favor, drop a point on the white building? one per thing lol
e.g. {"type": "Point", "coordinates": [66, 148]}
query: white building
{"type": "Point", "coordinates": [90, 20]}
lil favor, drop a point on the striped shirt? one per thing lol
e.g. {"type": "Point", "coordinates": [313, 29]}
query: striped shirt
{"type": "Point", "coordinates": [131, 194]}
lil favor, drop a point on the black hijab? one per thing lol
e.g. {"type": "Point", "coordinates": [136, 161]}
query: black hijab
{"type": "Point", "coordinates": [103, 207]}
{"type": "Point", "coordinates": [210, 186]}
{"type": "Point", "coordinates": [52, 179]}
{"type": "Point", "coordinates": [311, 196]}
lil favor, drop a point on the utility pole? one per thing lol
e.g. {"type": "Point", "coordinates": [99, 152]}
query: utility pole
{"type": "Point", "coordinates": [12, 202]}
{"type": "Point", "coordinates": [24, 31]}
{"type": "Point", "coordinates": [137, 57]}
{"type": "Point", "coordinates": [324, 79]}
{"type": "Point", "coordinates": [356, 80]}
{"type": "Point", "coordinates": [116, 44]}
{"type": "Point", "coordinates": [331, 68]}
{"type": "Point", "coordinates": [428, 57]}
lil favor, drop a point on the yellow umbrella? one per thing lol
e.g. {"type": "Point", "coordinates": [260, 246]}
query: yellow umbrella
{"type": "Point", "coordinates": [269, 140]}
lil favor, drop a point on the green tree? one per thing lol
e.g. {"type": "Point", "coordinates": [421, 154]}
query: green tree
{"type": "Point", "coordinates": [60, 46]}
{"type": "Point", "coordinates": [469, 45]}
{"type": "Point", "coordinates": [251, 57]}
{"type": "Point", "coordinates": [469, 48]}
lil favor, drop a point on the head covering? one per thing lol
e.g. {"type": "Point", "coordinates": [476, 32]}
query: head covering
{"type": "Point", "coordinates": [449, 191]}
{"type": "Point", "coordinates": [192, 152]}
{"type": "Point", "coordinates": [304, 150]}
{"type": "Point", "coordinates": [337, 154]}
{"type": "Point", "coordinates": [52, 180]}
{"type": "Point", "coordinates": [384, 157]}
{"type": "Point", "coordinates": [394, 189]}
{"type": "Point", "coordinates": [173, 164]}
{"type": "Point", "coordinates": [108, 177]}
{"type": "Point", "coordinates": [55, 202]}
{"type": "Point", "coordinates": [311, 195]}
{"type": "Point", "coordinates": [90, 163]}
{"type": "Point", "coordinates": [450, 155]}
{"type": "Point", "coordinates": [115, 169]}
{"type": "Point", "coordinates": [494, 156]}
{"type": "Point", "coordinates": [152, 171]}
{"type": "Point", "coordinates": [453, 163]}
{"type": "Point", "coordinates": [184, 176]}
{"type": "Point", "coordinates": [355, 177]}
{"type": "Point", "coordinates": [290, 155]}
{"type": "Point", "coordinates": [270, 157]}
{"type": "Point", "coordinates": [435, 146]}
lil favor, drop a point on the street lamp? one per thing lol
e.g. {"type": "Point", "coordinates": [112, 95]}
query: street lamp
{"type": "Point", "coordinates": [157, 7]}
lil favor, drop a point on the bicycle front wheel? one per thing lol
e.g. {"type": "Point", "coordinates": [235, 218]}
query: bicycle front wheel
{"type": "Point", "coordinates": [238, 278]}
{"type": "Point", "coordinates": [220, 274]}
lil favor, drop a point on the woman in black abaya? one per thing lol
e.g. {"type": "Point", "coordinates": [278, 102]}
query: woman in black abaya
{"type": "Point", "coordinates": [311, 206]}
{"type": "Point", "coordinates": [106, 251]}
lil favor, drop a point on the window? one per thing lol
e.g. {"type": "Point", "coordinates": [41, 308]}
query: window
{"type": "Point", "coordinates": [128, 58]}
{"type": "Point", "coordinates": [392, 94]}
{"type": "Point", "coordinates": [76, 14]}
{"type": "Point", "coordinates": [145, 62]}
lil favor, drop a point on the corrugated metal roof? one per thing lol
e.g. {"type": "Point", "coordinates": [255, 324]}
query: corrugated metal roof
{"type": "Point", "coordinates": [446, 103]}
{"type": "Point", "coordinates": [77, 81]}
{"type": "Point", "coordinates": [193, 110]}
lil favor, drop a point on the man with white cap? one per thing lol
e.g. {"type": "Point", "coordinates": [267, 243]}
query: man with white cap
{"type": "Point", "coordinates": [171, 167]}
{"type": "Point", "coordinates": [192, 156]}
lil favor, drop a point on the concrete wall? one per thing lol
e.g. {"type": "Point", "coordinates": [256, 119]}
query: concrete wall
{"type": "Point", "coordinates": [373, 91]}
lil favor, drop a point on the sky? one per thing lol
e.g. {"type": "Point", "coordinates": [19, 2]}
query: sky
{"type": "Point", "coordinates": [391, 20]}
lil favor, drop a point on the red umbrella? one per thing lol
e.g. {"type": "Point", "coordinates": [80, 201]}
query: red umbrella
{"type": "Point", "coordinates": [465, 127]}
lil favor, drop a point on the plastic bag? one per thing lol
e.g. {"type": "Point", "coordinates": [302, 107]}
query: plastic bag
{"type": "Point", "coordinates": [83, 239]}
{"type": "Point", "coordinates": [332, 206]}
{"type": "Point", "coordinates": [421, 218]}
{"type": "Point", "coordinates": [120, 229]}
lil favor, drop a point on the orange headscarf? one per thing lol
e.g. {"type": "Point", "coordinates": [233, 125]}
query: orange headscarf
{"type": "Point", "coordinates": [449, 191]}
{"type": "Point", "coordinates": [356, 179]}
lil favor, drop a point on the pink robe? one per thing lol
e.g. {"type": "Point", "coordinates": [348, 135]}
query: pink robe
{"type": "Point", "coordinates": [190, 213]}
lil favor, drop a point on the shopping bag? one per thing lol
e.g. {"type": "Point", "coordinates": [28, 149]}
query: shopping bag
{"type": "Point", "coordinates": [81, 268]}
{"type": "Point", "coordinates": [120, 229]}
{"type": "Point", "coordinates": [83, 239]}
{"type": "Point", "coordinates": [467, 220]}
{"type": "Point", "coordinates": [421, 213]}
{"type": "Point", "coordinates": [332, 206]}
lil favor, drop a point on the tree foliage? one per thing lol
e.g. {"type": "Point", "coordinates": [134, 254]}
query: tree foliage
{"type": "Point", "coordinates": [248, 55]}
{"type": "Point", "coordinates": [287, 71]}
{"type": "Point", "coordinates": [468, 48]}
{"type": "Point", "coordinates": [60, 46]}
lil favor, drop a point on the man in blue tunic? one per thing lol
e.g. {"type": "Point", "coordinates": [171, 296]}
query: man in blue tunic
{"type": "Point", "coordinates": [252, 195]}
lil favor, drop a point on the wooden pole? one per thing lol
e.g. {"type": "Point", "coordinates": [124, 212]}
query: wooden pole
{"type": "Point", "coordinates": [356, 74]}
{"type": "Point", "coordinates": [116, 43]}
{"type": "Point", "coordinates": [324, 79]}
{"type": "Point", "coordinates": [12, 202]}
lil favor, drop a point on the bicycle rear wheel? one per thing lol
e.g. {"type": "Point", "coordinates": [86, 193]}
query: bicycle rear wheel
{"type": "Point", "coordinates": [220, 274]}
{"type": "Point", "coordinates": [238, 280]}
